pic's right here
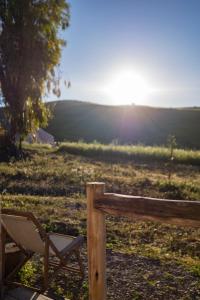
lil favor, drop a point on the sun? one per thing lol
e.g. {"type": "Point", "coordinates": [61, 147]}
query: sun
{"type": "Point", "coordinates": [128, 87]}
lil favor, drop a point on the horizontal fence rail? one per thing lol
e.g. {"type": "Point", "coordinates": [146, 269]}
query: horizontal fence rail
{"type": "Point", "coordinates": [179, 212]}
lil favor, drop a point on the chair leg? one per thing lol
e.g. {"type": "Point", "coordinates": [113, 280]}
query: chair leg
{"type": "Point", "coordinates": [80, 262]}
{"type": "Point", "coordinates": [46, 266]}
{"type": "Point", "coordinates": [18, 267]}
{"type": "Point", "coordinates": [2, 259]}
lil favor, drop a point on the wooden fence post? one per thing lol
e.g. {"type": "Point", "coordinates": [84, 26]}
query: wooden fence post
{"type": "Point", "coordinates": [96, 243]}
{"type": "Point", "coordinates": [2, 257]}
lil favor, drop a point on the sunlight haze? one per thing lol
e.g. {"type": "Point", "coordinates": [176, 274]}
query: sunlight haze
{"type": "Point", "coordinates": [127, 87]}
{"type": "Point", "coordinates": [158, 41]}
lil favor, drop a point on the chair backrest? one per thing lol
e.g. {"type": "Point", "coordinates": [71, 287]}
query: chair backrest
{"type": "Point", "coordinates": [23, 231]}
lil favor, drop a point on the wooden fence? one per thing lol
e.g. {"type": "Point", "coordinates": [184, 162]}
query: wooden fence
{"type": "Point", "coordinates": [179, 212]}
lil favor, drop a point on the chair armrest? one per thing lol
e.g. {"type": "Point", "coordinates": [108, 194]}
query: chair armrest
{"type": "Point", "coordinates": [76, 243]}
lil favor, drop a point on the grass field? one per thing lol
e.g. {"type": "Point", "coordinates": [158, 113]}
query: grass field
{"type": "Point", "coordinates": [132, 153]}
{"type": "Point", "coordinates": [145, 260]}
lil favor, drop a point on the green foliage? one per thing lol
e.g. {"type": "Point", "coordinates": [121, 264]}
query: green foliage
{"type": "Point", "coordinates": [27, 273]}
{"type": "Point", "coordinates": [196, 270]}
{"type": "Point", "coordinates": [29, 51]}
{"type": "Point", "coordinates": [85, 289]}
{"type": "Point", "coordinates": [171, 141]}
{"type": "Point", "coordinates": [136, 296]}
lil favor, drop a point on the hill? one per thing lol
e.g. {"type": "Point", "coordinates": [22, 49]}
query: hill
{"type": "Point", "coordinates": [130, 124]}
{"type": "Point", "coordinates": [75, 120]}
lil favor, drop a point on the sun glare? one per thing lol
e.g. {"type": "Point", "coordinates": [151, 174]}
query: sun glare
{"type": "Point", "coordinates": [127, 88]}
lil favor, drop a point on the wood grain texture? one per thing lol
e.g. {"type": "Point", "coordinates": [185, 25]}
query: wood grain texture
{"type": "Point", "coordinates": [96, 243]}
{"type": "Point", "coordinates": [180, 212]}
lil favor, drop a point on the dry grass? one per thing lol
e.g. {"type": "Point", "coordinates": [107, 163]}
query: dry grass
{"type": "Point", "coordinates": [145, 260]}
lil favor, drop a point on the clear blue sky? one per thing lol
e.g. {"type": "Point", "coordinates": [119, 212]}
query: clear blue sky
{"type": "Point", "coordinates": [157, 39]}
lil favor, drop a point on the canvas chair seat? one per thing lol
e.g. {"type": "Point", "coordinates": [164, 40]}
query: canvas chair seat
{"type": "Point", "coordinates": [31, 238]}
{"type": "Point", "coordinates": [60, 241]}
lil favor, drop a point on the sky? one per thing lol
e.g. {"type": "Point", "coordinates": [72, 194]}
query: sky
{"type": "Point", "coordinates": [145, 52]}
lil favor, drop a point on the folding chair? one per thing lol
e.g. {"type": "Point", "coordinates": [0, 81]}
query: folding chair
{"type": "Point", "coordinates": [31, 238]}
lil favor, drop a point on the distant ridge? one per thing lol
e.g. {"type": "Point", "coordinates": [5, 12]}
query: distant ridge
{"type": "Point", "coordinates": [74, 120]}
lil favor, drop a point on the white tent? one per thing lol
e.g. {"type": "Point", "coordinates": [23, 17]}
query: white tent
{"type": "Point", "coordinates": [41, 137]}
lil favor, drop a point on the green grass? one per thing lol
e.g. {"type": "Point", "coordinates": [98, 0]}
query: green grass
{"type": "Point", "coordinates": [132, 153]}
{"type": "Point", "coordinates": [144, 259]}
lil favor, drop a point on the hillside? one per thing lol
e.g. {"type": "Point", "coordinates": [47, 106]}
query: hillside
{"type": "Point", "coordinates": [75, 120]}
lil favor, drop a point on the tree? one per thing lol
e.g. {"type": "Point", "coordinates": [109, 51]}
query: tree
{"type": "Point", "coordinates": [30, 50]}
{"type": "Point", "coordinates": [172, 144]}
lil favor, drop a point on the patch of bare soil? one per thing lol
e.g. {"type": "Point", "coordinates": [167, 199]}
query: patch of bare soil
{"type": "Point", "coordinates": [133, 277]}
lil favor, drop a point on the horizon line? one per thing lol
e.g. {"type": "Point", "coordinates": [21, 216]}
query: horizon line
{"type": "Point", "coordinates": [124, 105]}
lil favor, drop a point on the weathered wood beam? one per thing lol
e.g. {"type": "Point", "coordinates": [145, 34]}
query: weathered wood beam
{"type": "Point", "coordinates": [96, 244]}
{"type": "Point", "coordinates": [179, 212]}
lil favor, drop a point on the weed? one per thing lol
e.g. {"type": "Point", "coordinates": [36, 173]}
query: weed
{"type": "Point", "coordinates": [27, 273]}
